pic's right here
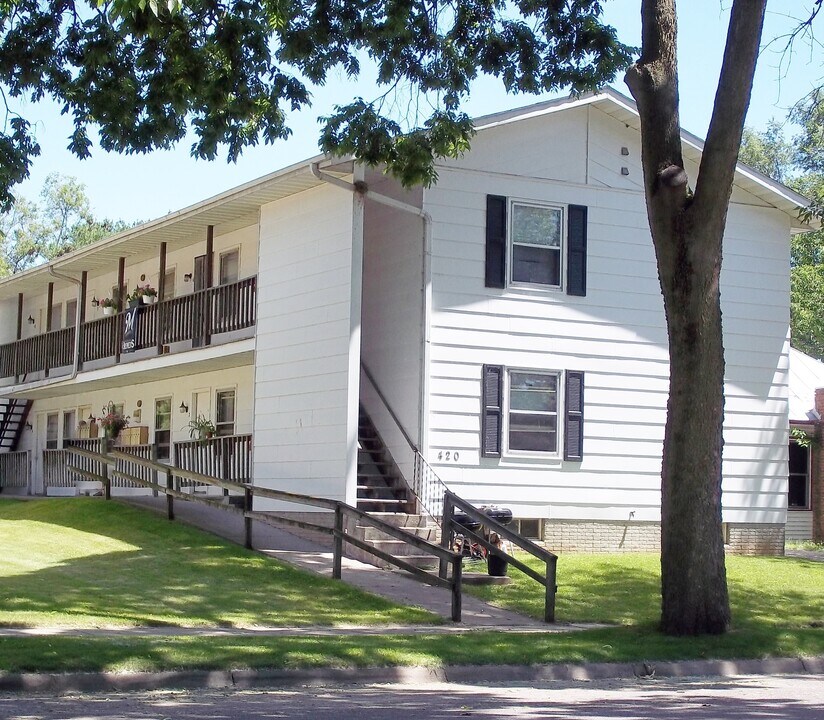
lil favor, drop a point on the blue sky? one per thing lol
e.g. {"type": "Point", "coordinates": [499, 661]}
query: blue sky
{"type": "Point", "coordinates": [144, 187]}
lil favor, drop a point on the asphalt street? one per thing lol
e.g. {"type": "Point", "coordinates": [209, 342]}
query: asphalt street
{"type": "Point", "coordinates": [740, 698]}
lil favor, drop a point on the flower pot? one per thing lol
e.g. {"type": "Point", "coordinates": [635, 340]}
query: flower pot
{"type": "Point", "coordinates": [108, 311]}
{"type": "Point", "coordinates": [149, 299]}
{"type": "Point", "coordinates": [134, 303]}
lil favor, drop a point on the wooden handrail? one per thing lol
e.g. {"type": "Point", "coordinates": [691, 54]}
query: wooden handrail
{"type": "Point", "coordinates": [550, 560]}
{"type": "Point", "coordinates": [342, 510]}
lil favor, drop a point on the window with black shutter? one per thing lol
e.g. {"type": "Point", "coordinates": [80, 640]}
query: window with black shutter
{"type": "Point", "coordinates": [492, 399]}
{"type": "Point", "coordinates": [529, 243]}
{"type": "Point", "coordinates": [574, 416]}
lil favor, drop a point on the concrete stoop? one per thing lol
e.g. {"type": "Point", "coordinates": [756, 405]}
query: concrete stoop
{"type": "Point", "coordinates": [417, 525]}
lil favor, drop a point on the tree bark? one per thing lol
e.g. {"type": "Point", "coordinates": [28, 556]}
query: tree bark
{"type": "Point", "coordinates": [687, 231]}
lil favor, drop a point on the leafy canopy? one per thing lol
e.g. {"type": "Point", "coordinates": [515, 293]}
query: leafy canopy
{"type": "Point", "coordinates": [32, 232]}
{"type": "Point", "coordinates": [799, 163]}
{"type": "Point", "coordinates": [231, 70]}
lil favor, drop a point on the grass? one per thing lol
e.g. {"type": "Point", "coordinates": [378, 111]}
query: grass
{"type": "Point", "coordinates": [85, 563]}
{"type": "Point", "coordinates": [805, 545]}
{"type": "Point", "coordinates": [778, 606]}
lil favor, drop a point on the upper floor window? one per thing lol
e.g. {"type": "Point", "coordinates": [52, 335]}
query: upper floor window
{"type": "Point", "coordinates": [536, 237]}
{"type": "Point", "coordinates": [535, 244]}
{"type": "Point", "coordinates": [229, 267]}
{"type": "Point", "coordinates": [169, 285]}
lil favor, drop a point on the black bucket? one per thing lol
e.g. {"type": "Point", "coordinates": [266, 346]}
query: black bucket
{"type": "Point", "coordinates": [497, 566]}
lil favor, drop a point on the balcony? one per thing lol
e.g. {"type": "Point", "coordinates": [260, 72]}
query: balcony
{"type": "Point", "coordinates": [195, 318]}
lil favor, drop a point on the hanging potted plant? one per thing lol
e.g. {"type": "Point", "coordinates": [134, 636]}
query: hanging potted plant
{"type": "Point", "coordinates": [133, 298]}
{"type": "Point", "coordinates": [148, 294]}
{"type": "Point", "coordinates": [112, 421]}
{"type": "Point", "coordinates": [109, 306]}
{"type": "Point", "coordinates": [201, 428]}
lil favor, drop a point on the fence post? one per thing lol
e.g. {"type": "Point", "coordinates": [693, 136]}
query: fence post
{"type": "Point", "coordinates": [549, 605]}
{"type": "Point", "coordinates": [446, 532]}
{"type": "Point", "coordinates": [337, 553]}
{"type": "Point", "coordinates": [457, 577]}
{"type": "Point", "coordinates": [247, 521]}
{"type": "Point", "coordinates": [153, 458]}
{"type": "Point", "coordinates": [170, 501]}
{"type": "Point", "coordinates": [107, 483]}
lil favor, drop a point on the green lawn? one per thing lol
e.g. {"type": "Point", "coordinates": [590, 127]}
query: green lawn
{"type": "Point", "coordinates": [86, 563]}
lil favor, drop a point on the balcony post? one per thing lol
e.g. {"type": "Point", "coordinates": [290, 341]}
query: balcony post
{"type": "Point", "coordinates": [160, 313]}
{"type": "Point", "coordinates": [49, 303]}
{"type": "Point", "coordinates": [81, 316]}
{"type": "Point", "coordinates": [118, 331]}
{"type": "Point", "coordinates": [208, 299]}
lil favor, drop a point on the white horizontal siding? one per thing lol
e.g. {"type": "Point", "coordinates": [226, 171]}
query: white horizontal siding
{"type": "Point", "coordinates": [303, 378]}
{"type": "Point", "coordinates": [616, 334]}
{"type": "Point", "coordinates": [799, 525]}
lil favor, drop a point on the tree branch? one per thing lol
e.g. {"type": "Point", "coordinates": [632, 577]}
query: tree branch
{"type": "Point", "coordinates": [717, 170]}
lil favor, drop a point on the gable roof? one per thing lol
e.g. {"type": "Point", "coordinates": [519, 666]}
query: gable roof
{"type": "Point", "coordinates": [624, 109]}
{"type": "Point", "coordinates": [238, 207]}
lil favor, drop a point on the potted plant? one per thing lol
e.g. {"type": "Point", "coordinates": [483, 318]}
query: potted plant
{"type": "Point", "coordinates": [148, 294]}
{"type": "Point", "coordinates": [109, 306]}
{"type": "Point", "coordinates": [201, 428]}
{"type": "Point", "coordinates": [133, 298]}
{"type": "Point", "coordinates": [112, 421]}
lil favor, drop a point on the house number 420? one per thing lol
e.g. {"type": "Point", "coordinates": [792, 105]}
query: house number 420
{"type": "Point", "coordinates": [448, 456]}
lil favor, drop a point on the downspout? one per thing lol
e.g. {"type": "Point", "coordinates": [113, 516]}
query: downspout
{"type": "Point", "coordinates": [363, 190]}
{"type": "Point", "coordinates": [79, 284]}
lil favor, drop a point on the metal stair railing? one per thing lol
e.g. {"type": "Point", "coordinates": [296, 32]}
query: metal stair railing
{"type": "Point", "coordinates": [425, 484]}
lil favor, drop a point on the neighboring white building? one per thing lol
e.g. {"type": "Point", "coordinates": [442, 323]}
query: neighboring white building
{"type": "Point", "coordinates": [506, 322]}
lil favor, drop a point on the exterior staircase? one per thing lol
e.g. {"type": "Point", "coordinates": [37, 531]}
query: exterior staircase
{"type": "Point", "coordinates": [381, 487]}
{"type": "Point", "coordinates": [13, 416]}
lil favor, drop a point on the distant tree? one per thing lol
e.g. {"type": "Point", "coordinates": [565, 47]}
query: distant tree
{"type": "Point", "coordinates": [799, 163]}
{"type": "Point", "coordinates": [34, 232]}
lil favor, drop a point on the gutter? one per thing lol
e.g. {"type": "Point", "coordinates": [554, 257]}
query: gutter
{"type": "Point", "coordinates": [426, 299]}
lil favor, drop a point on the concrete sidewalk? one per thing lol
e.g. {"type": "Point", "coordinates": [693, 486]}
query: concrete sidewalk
{"type": "Point", "coordinates": [396, 586]}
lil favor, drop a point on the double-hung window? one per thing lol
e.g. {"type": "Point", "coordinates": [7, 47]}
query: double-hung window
{"type": "Point", "coordinates": [532, 419]}
{"type": "Point", "coordinates": [528, 412]}
{"type": "Point", "coordinates": [535, 244]}
{"type": "Point", "coordinates": [536, 233]}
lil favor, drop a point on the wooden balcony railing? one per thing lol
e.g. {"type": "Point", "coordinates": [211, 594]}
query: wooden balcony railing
{"type": "Point", "coordinates": [227, 458]}
{"type": "Point", "coordinates": [195, 317]}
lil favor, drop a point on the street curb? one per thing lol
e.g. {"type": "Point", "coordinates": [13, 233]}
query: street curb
{"type": "Point", "coordinates": [467, 674]}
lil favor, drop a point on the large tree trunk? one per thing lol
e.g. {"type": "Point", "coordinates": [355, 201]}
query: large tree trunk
{"type": "Point", "coordinates": [687, 230]}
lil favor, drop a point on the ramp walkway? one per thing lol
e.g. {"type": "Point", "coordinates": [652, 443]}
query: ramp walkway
{"type": "Point", "coordinates": [314, 557]}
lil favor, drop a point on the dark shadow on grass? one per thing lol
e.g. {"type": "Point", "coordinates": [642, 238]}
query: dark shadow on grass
{"type": "Point", "coordinates": [176, 575]}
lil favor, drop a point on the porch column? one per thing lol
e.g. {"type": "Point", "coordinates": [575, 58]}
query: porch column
{"type": "Point", "coordinates": [210, 266]}
{"type": "Point", "coordinates": [19, 316]}
{"type": "Point", "coordinates": [118, 332]}
{"type": "Point", "coordinates": [81, 315]}
{"type": "Point", "coordinates": [49, 302]}
{"type": "Point", "coordinates": [160, 314]}
{"type": "Point", "coordinates": [817, 471]}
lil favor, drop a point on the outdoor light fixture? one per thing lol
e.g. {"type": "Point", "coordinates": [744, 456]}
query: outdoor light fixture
{"type": "Point", "coordinates": [187, 277]}
{"type": "Point", "coordinates": [31, 320]}
{"type": "Point", "coordinates": [28, 426]}
{"type": "Point", "coordinates": [95, 301]}
{"type": "Point", "coordinates": [184, 408]}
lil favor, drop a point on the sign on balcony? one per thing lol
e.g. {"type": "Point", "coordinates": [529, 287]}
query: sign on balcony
{"type": "Point", "coordinates": [130, 319]}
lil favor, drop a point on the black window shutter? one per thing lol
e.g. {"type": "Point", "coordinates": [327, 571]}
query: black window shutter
{"type": "Point", "coordinates": [495, 241]}
{"type": "Point", "coordinates": [577, 250]}
{"type": "Point", "coordinates": [574, 421]}
{"type": "Point", "coordinates": [492, 401]}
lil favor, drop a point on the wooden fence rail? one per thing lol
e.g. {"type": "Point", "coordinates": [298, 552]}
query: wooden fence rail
{"type": "Point", "coordinates": [449, 527]}
{"type": "Point", "coordinates": [343, 515]}
{"type": "Point", "coordinates": [14, 469]}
